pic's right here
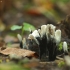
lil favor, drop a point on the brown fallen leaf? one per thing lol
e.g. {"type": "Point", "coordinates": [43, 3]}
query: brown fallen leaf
{"type": "Point", "coordinates": [19, 52]}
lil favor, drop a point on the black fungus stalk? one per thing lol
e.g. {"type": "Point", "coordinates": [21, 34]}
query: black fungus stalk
{"type": "Point", "coordinates": [46, 39]}
{"type": "Point", "coordinates": [52, 49]}
{"type": "Point", "coordinates": [42, 47]}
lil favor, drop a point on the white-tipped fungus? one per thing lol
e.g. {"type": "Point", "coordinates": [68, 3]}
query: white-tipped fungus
{"type": "Point", "coordinates": [35, 33]}
{"type": "Point", "coordinates": [47, 31]}
{"type": "Point", "coordinates": [24, 44]}
{"type": "Point", "coordinates": [19, 37]}
{"type": "Point", "coordinates": [65, 48]}
{"type": "Point", "coordinates": [46, 38]}
{"type": "Point", "coordinates": [52, 30]}
{"type": "Point", "coordinates": [58, 36]}
{"type": "Point", "coordinates": [32, 37]}
{"type": "Point", "coordinates": [43, 30]}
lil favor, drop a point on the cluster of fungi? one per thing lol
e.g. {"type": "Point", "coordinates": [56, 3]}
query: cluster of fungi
{"type": "Point", "coordinates": [45, 41]}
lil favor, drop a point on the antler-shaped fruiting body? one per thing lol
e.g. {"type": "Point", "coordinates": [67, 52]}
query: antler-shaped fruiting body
{"type": "Point", "coordinates": [47, 39]}
{"type": "Point", "coordinates": [43, 40]}
{"type": "Point", "coordinates": [65, 48]}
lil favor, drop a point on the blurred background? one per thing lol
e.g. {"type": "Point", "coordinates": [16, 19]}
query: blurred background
{"type": "Point", "coordinates": [35, 12]}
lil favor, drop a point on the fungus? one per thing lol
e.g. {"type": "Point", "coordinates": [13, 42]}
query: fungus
{"type": "Point", "coordinates": [45, 40]}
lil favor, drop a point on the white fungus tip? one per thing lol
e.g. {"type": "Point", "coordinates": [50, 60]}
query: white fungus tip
{"type": "Point", "coordinates": [52, 30]}
{"type": "Point", "coordinates": [19, 37]}
{"type": "Point", "coordinates": [24, 41]}
{"type": "Point", "coordinates": [58, 36]}
{"type": "Point", "coordinates": [35, 33]}
{"type": "Point", "coordinates": [24, 44]}
{"type": "Point", "coordinates": [65, 48]}
{"type": "Point", "coordinates": [47, 31]}
{"type": "Point", "coordinates": [32, 37]}
{"type": "Point", "coordinates": [43, 30]}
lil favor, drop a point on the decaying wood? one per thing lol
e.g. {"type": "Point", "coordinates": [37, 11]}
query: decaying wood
{"type": "Point", "coordinates": [65, 27]}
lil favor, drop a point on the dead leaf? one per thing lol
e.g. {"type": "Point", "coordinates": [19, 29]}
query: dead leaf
{"type": "Point", "coordinates": [19, 52]}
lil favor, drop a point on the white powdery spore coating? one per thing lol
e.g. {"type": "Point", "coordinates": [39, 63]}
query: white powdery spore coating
{"type": "Point", "coordinates": [47, 31]}
{"type": "Point", "coordinates": [43, 30]}
{"type": "Point", "coordinates": [65, 49]}
{"type": "Point", "coordinates": [32, 37]}
{"type": "Point", "coordinates": [19, 37]}
{"type": "Point", "coordinates": [58, 36]}
{"type": "Point", "coordinates": [52, 27]}
{"type": "Point", "coordinates": [35, 33]}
